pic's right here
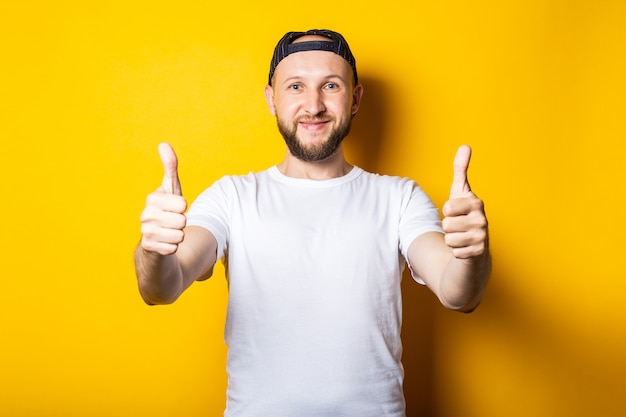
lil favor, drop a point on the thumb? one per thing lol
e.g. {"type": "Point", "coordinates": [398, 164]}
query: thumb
{"type": "Point", "coordinates": [171, 183]}
{"type": "Point", "coordinates": [460, 185]}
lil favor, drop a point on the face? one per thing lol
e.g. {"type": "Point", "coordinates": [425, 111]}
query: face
{"type": "Point", "coordinates": [313, 99]}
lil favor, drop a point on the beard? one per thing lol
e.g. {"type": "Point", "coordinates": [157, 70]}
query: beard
{"type": "Point", "coordinates": [315, 152]}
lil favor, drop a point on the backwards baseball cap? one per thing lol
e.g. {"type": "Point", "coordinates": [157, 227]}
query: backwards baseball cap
{"type": "Point", "coordinates": [337, 44]}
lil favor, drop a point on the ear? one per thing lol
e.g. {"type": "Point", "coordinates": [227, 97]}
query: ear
{"type": "Point", "coordinates": [269, 99]}
{"type": "Point", "coordinates": [357, 93]}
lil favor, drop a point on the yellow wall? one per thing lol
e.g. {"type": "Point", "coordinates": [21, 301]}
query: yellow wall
{"type": "Point", "coordinates": [538, 88]}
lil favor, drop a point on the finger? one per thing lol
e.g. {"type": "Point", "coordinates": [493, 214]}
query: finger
{"type": "Point", "coordinates": [460, 186]}
{"type": "Point", "coordinates": [161, 248]}
{"type": "Point", "coordinates": [155, 235]}
{"type": "Point", "coordinates": [160, 201]}
{"type": "Point", "coordinates": [463, 206]}
{"type": "Point", "coordinates": [171, 183]}
{"type": "Point", "coordinates": [456, 207]}
{"type": "Point", "coordinates": [168, 220]}
{"type": "Point", "coordinates": [466, 245]}
{"type": "Point", "coordinates": [472, 222]}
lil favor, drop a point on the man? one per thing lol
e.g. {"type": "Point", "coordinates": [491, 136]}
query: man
{"type": "Point", "coordinates": [314, 250]}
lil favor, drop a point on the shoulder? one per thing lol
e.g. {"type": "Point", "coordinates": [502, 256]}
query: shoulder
{"type": "Point", "coordinates": [250, 179]}
{"type": "Point", "coordinates": [381, 178]}
{"type": "Point", "coordinates": [401, 190]}
{"type": "Point", "coordinates": [391, 183]}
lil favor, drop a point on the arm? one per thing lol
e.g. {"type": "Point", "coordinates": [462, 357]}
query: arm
{"type": "Point", "coordinates": [162, 278]}
{"type": "Point", "coordinates": [458, 283]}
{"type": "Point", "coordinates": [170, 256]}
{"type": "Point", "coordinates": [456, 266]}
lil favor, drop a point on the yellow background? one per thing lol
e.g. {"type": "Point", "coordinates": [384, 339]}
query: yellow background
{"type": "Point", "coordinates": [538, 88]}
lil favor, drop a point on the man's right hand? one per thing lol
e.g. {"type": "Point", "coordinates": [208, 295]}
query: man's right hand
{"type": "Point", "coordinates": [163, 219]}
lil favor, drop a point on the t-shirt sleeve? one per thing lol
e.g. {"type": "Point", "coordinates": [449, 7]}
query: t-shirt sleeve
{"type": "Point", "coordinates": [211, 210]}
{"type": "Point", "coordinates": [419, 216]}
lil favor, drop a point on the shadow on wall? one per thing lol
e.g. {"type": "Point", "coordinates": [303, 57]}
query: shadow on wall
{"type": "Point", "coordinates": [574, 364]}
{"type": "Point", "coordinates": [363, 149]}
{"type": "Point", "coordinates": [368, 127]}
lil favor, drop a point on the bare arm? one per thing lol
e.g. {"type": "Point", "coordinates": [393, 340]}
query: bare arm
{"type": "Point", "coordinates": [458, 283]}
{"type": "Point", "coordinates": [163, 278]}
{"type": "Point", "coordinates": [170, 256]}
{"type": "Point", "coordinates": [456, 266]}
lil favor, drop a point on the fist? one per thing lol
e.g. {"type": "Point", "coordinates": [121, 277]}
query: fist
{"type": "Point", "coordinates": [163, 218]}
{"type": "Point", "coordinates": [464, 223]}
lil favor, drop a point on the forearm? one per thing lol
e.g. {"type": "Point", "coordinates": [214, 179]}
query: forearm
{"type": "Point", "coordinates": [159, 277]}
{"type": "Point", "coordinates": [463, 282]}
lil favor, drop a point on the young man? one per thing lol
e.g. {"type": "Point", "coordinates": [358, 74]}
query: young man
{"type": "Point", "coordinates": [314, 250]}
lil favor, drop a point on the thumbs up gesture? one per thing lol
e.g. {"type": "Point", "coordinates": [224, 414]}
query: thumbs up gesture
{"type": "Point", "coordinates": [163, 218]}
{"type": "Point", "coordinates": [464, 220]}
{"type": "Point", "coordinates": [170, 183]}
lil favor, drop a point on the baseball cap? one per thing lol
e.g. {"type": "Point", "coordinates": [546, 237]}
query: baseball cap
{"type": "Point", "coordinates": [337, 44]}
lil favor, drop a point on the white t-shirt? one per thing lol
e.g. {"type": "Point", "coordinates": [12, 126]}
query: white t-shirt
{"type": "Point", "coordinates": [314, 270]}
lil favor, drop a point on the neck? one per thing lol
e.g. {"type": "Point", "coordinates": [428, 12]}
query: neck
{"type": "Point", "coordinates": [334, 166]}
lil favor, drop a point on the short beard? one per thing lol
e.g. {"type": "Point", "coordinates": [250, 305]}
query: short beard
{"type": "Point", "coordinates": [313, 153]}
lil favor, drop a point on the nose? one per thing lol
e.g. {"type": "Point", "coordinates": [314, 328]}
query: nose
{"type": "Point", "coordinates": [314, 103]}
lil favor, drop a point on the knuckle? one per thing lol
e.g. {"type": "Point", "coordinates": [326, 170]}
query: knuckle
{"type": "Point", "coordinates": [152, 199]}
{"type": "Point", "coordinates": [478, 251]}
{"type": "Point", "coordinates": [460, 253]}
{"type": "Point", "coordinates": [148, 245]}
{"type": "Point", "coordinates": [445, 210]}
{"type": "Point", "coordinates": [183, 204]}
{"type": "Point", "coordinates": [182, 221]}
{"type": "Point", "coordinates": [146, 214]}
{"type": "Point", "coordinates": [147, 229]}
{"type": "Point", "coordinates": [175, 203]}
{"type": "Point", "coordinates": [176, 221]}
{"type": "Point", "coordinates": [483, 223]}
{"type": "Point", "coordinates": [178, 236]}
{"type": "Point", "coordinates": [445, 224]}
{"type": "Point", "coordinates": [450, 240]}
{"type": "Point", "coordinates": [169, 249]}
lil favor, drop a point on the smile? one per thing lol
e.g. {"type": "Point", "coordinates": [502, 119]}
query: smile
{"type": "Point", "coordinates": [313, 124]}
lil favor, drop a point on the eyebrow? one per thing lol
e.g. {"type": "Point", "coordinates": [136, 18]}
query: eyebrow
{"type": "Point", "coordinates": [326, 78]}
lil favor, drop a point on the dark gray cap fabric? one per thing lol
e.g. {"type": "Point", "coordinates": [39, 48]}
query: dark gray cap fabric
{"type": "Point", "coordinates": [337, 44]}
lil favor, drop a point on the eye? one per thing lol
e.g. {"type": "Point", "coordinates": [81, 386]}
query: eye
{"type": "Point", "coordinates": [295, 87]}
{"type": "Point", "coordinates": [332, 86]}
